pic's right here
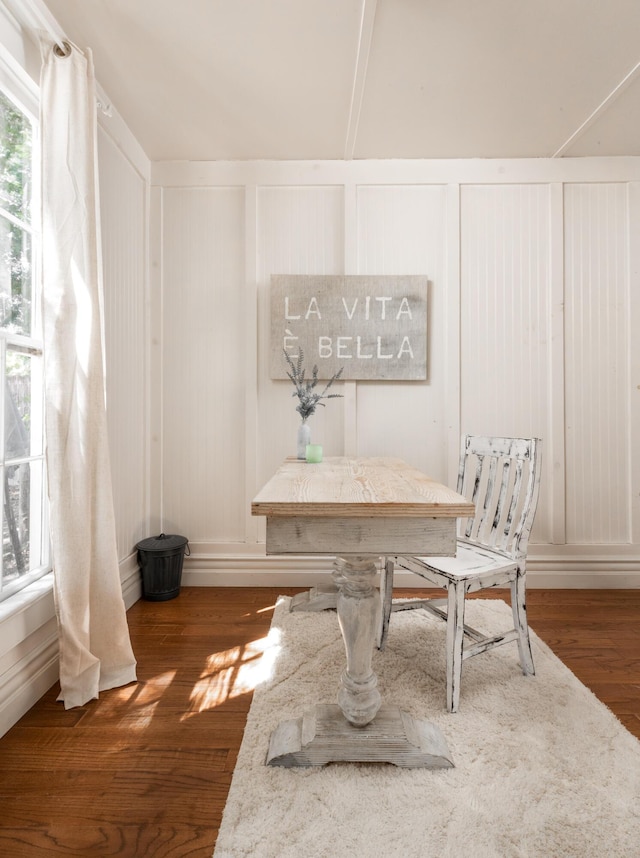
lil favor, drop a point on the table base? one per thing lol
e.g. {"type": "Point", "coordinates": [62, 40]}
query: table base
{"type": "Point", "coordinates": [322, 735]}
{"type": "Point", "coordinates": [323, 597]}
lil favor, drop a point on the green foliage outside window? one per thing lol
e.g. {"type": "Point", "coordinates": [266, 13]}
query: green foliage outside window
{"type": "Point", "coordinates": [15, 160]}
{"type": "Point", "coordinates": [15, 216]}
{"type": "Point", "coordinates": [24, 555]}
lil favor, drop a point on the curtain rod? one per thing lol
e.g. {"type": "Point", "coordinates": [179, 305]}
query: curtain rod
{"type": "Point", "coordinates": [35, 16]}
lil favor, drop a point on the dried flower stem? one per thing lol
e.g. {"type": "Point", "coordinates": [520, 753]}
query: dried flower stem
{"type": "Point", "coordinates": [305, 389]}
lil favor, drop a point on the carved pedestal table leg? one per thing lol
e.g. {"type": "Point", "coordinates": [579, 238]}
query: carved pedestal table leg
{"type": "Point", "coordinates": [358, 729]}
{"type": "Point", "coordinates": [322, 597]}
{"type": "Point", "coordinates": [358, 609]}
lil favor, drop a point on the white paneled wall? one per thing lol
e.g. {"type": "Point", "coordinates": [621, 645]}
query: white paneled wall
{"type": "Point", "coordinates": [598, 332]}
{"type": "Point", "coordinates": [531, 312]}
{"type": "Point", "coordinates": [299, 231]}
{"type": "Point", "coordinates": [505, 316]}
{"type": "Point", "coordinates": [124, 246]}
{"type": "Point", "coordinates": [403, 230]}
{"type": "Point", "coordinates": [202, 384]}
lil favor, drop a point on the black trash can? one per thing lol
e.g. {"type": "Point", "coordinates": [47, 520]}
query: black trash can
{"type": "Point", "coordinates": [160, 560]}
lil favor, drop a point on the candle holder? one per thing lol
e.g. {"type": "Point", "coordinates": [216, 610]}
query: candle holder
{"type": "Point", "coordinates": [314, 453]}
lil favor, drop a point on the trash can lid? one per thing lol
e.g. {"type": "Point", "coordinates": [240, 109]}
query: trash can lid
{"type": "Point", "coordinates": [162, 543]}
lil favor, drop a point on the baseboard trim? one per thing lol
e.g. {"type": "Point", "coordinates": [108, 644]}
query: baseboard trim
{"type": "Point", "coordinates": [131, 580]}
{"type": "Point", "coordinates": [25, 683]}
{"type": "Point", "coordinates": [31, 640]}
{"type": "Point", "coordinates": [552, 571]}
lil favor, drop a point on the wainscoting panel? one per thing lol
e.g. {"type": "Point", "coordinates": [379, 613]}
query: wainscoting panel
{"type": "Point", "coordinates": [402, 230]}
{"type": "Point", "coordinates": [203, 363]}
{"type": "Point", "coordinates": [597, 363]}
{"type": "Point", "coordinates": [124, 249]}
{"type": "Point", "coordinates": [299, 231]}
{"type": "Point", "coordinates": [505, 317]}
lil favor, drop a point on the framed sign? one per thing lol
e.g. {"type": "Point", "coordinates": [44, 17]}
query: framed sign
{"type": "Point", "coordinates": [374, 326]}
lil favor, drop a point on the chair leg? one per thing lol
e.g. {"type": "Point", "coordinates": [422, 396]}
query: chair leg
{"type": "Point", "coordinates": [455, 637]}
{"type": "Point", "coordinates": [386, 593]}
{"type": "Point", "coordinates": [519, 609]}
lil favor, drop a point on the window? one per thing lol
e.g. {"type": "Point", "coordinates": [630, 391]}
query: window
{"type": "Point", "coordinates": [25, 543]}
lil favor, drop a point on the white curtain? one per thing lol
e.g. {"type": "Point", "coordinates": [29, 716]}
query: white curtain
{"type": "Point", "coordinates": [95, 648]}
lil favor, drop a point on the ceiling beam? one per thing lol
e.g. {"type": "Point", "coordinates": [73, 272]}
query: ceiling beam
{"type": "Point", "coordinates": [600, 109]}
{"type": "Point", "coordinates": [365, 39]}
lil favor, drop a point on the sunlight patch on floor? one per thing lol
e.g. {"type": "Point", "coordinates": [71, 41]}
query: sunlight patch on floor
{"type": "Point", "coordinates": [134, 705]}
{"type": "Point", "coordinates": [264, 610]}
{"type": "Point", "coordinates": [233, 672]}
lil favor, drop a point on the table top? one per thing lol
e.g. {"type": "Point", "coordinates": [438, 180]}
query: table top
{"type": "Point", "coordinates": [357, 487]}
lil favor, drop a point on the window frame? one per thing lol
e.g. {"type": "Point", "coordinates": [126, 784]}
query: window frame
{"type": "Point", "coordinates": [23, 94]}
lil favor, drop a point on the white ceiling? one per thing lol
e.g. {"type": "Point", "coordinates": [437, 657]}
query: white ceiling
{"type": "Point", "coordinates": [327, 79]}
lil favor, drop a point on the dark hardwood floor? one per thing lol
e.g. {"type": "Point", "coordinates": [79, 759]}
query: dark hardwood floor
{"type": "Point", "coordinates": [144, 771]}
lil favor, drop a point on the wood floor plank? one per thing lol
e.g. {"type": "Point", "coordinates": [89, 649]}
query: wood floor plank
{"type": "Point", "coordinates": [144, 771]}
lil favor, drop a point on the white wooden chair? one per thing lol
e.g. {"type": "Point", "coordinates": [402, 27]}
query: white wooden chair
{"type": "Point", "coordinates": [501, 476]}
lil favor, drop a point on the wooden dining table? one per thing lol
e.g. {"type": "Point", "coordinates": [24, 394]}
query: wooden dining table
{"type": "Point", "coordinates": [358, 509]}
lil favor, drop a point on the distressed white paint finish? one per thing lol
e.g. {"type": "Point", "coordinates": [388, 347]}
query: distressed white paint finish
{"type": "Point", "coordinates": [597, 310]}
{"type": "Point", "coordinates": [331, 535]}
{"type": "Point", "coordinates": [505, 317]}
{"type": "Point", "coordinates": [321, 735]}
{"type": "Point", "coordinates": [501, 476]}
{"type": "Point", "coordinates": [357, 488]}
{"type": "Point", "coordinates": [299, 231]}
{"type": "Point", "coordinates": [203, 363]}
{"type": "Point", "coordinates": [354, 490]}
{"type": "Point", "coordinates": [123, 215]}
{"type": "Point", "coordinates": [358, 608]}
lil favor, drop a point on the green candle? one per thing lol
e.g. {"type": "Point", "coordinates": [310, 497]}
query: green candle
{"type": "Point", "coordinates": [314, 453]}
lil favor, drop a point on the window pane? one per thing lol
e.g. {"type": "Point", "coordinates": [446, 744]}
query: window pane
{"type": "Point", "coordinates": [22, 416]}
{"type": "Point", "coordinates": [15, 160]}
{"type": "Point", "coordinates": [16, 521]}
{"type": "Point", "coordinates": [15, 278]}
{"type": "Point", "coordinates": [25, 546]}
{"type": "Point", "coordinates": [25, 541]}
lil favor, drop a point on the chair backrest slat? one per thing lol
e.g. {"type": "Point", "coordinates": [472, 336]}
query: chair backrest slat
{"type": "Point", "coordinates": [501, 476]}
{"type": "Point", "coordinates": [487, 506]}
{"type": "Point", "coordinates": [475, 488]}
{"type": "Point", "coordinates": [511, 521]}
{"type": "Point", "coordinates": [499, 508]}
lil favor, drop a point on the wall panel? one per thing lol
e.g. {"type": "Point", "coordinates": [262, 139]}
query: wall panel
{"type": "Point", "coordinates": [597, 358]}
{"type": "Point", "coordinates": [505, 316]}
{"type": "Point", "coordinates": [203, 363]}
{"type": "Point", "coordinates": [300, 230]}
{"type": "Point", "coordinates": [124, 244]}
{"type": "Point", "coordinates": [402, 230]}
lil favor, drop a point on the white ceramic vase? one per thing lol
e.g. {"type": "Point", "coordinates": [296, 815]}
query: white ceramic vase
{"type": "Point", "coordinates": [304, 438]}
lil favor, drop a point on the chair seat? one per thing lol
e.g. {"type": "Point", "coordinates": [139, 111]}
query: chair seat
{"type": "Point", "coordinates": [467, 561]}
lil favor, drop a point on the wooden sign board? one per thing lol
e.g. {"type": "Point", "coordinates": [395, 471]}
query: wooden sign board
{"type": "Point", "coordinates": [375, 326]}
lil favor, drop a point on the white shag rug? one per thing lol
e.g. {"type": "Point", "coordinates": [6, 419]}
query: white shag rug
{"type": "Point", "coordinates": [542, 768]}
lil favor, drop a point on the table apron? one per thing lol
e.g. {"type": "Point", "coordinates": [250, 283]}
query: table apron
{"type": "Point", "coordinates": [374, 535]}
